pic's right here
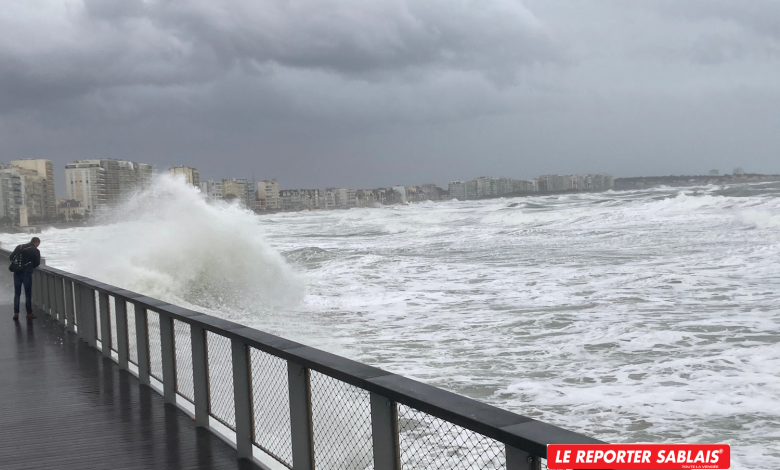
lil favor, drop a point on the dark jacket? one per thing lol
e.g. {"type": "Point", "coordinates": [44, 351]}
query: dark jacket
{"type": "Point", "coordinates": [31, 257]}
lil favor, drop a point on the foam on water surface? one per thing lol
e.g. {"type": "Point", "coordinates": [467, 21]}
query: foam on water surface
{"type": "Point", "coordinates": [639, 316]}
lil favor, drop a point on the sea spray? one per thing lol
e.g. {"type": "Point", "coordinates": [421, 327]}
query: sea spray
{"type": "Point", "coordinates": [168, 242]}
{"type": "Point", "coordinates": [632, 316]}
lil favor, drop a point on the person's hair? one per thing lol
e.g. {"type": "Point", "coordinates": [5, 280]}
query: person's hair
{"type": "Point", "coordinates": [35, 240]}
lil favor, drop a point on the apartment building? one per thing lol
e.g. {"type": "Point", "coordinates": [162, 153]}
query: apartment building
{"type": "Point", "coordinates": [45, 170]}
{"type": "Point", "coordinates": [299, 199]}
{"type": "Point", "coordinates": [85, 182]}
{"type": "Point", "coordinates": [104, 183]}
{"type": "Point", "coordinates": [401, 190]}
{"type": "Point", "coordinates": [11, 194]}
{"type": "Point", "coordinates": [241, 189]}
{"type": "Point", "coordinates": [70, 209]}
{"type": "Point", "coordinates": [268, 195]}
{"type": "Point", "coordinates": [190, 174]}
{"type": "Point", "coordinates": [211, 189]}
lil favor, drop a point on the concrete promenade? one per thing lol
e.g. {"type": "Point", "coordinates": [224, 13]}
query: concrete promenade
{"type": "Point", "coordinates": [64, 406]}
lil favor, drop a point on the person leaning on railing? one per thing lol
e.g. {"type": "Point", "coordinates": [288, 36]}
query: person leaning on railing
{"type": "Point", "coordinates": [29, 258]}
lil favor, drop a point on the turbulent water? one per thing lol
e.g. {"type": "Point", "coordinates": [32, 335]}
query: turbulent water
{"type": "Point", "coordinates": [642, 316]}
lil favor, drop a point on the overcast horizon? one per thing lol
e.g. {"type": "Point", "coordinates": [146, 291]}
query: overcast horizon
{"type": "Point", "coordinates": [349, 93]}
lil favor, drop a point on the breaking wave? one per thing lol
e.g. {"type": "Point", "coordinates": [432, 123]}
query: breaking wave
{"type": "Point", "coordinates": [169, 243]}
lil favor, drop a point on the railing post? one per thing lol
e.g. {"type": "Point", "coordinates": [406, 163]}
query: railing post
{"type": "Point", "coordinates": [38, 299]}
{"type": "Point", "coordinates": [70, 315]}
{"type": "Point", "coordinates": [88, 325]}
{"type": "Point", "coordinates": [168, 358]}
{"type": "Point", "coordinates": [200, 375]}
{"type": "Point", "coordinates": [300, 416]}
{"type": "Point", "coordinates": [142, 342]}
{"type": "Point", "coordinates": [121, 331]}
{"type": "Point", "coordinates": [47, 293]}
{"type": "Point", "coordinates": [517, 459]}
{"type": "Point", "coordinates": [384, 431]}
{"type": "Point", "coordinates": [78, 313]}
{"type": "Point", "coordinates": [52, 296]}
{"type": "Point", "coordinates": [242, 391]}
{"type": "Point", "coordinates": [44, 293]}
{"type": "Point", "coordinates": [36, 291]}
{"type": "Point", "coordinates": [105, 324]}
{"type": "Point", "coordinates": [59, 302]}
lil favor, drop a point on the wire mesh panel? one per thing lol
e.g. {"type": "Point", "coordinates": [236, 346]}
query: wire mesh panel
{"type": "Point", "coordinates": [221, 398]}
{"type": "Point", "coordinates": [271, 405]}
{"type": "Point", "coordinates": [427, 442]}
{"type": "Point", "coordinates": [155, 346]}
{"type": "Point", "coordinates": [112, 319]}
{"type": "Point", "coordinates": [182, 341]}
{"type": "Point", "coordinates": [132, 341]}
{"type": "Point", "coordinates": [341, 416]}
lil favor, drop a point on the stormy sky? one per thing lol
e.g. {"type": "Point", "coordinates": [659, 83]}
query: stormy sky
{"type": "Point", "coordinates": [363, 93]}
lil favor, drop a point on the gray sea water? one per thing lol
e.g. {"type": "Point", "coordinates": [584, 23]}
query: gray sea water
{"type": "Point", "coordinates": [638, 316]}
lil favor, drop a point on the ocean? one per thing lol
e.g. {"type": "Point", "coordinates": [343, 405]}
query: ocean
{"type": "Point", "coordinates": [634, 316]}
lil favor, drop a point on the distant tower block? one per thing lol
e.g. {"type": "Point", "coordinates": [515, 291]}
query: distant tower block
{"type": "Point", "coordinates": [714, 173]}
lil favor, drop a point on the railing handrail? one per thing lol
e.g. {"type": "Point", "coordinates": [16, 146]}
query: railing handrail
{"type": "Point", "coordinates": [509, 428]}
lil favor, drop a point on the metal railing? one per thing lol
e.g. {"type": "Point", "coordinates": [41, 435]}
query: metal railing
{"type": "Point", "coordinates": [286, 405]}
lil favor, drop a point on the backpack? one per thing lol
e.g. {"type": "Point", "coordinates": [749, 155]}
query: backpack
{"type": "Point", "coordinates": [16, 260]}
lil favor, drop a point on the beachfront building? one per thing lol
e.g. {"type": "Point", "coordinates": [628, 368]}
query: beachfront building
{"type": "Point", "coordinates": [85, 182]}
{"type": "Point", "coordinates": [70, 210]}
{"type": "Point", "coordinates": [299, 199]}
{"type": "Point", "coordinates": [44, 169]}
{"type": "Point", "coordinates": [366, 198]}
{"type": "Point", "coordinates": [190, 174]}
{"type": "Point", "coordinates": [211, 189]}
{"type": "Point", "coordinates": [602, 182]}
{"type": "Point", "coordinates": [241, 189]}
{"type": "Point", "coordinates": [100, 184]}
{"type": "Point", "coordinates": [268, 195]}
{"type": "Point", "coordinates": [11, 194]}
{"type": "Point", "coordinates": [402, 191]}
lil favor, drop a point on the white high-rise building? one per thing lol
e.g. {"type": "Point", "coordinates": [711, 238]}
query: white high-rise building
{"type": "Point", "coordinates": [191, 175]}
{"type": "Point", "coordinates": [211, 189]}
{"type": "Point", "coordinates": [299, 199]}
{"type": "Point", "coordinates": [99, 184]}
{"type": "Point", "coordinates": [45, 170]}
{"type": "Point", "coordinates": [268, 195]}
{"type": "Point", "coordinates": [457, 190]}
{"type": "Point", "coordinates": [85, 182]}
{"type": "Point", "coordinates": [11, 194]}
{"type": "Point", "coordinates": [242, 189]}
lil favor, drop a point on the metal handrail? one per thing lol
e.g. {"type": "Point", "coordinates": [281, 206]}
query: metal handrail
{"type": "Point", "coordinates": [56, 292]}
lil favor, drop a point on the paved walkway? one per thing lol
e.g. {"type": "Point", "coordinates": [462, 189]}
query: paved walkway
{"type": "Point", "coordinates": [63, 406]}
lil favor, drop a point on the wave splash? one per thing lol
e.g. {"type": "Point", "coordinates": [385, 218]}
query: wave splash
{"type": "Point", "coordinates": [169, 243]}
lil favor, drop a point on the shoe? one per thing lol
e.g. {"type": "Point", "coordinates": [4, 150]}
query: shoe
{"type": "Point", "coordinates": [16, 317]}
{"type": "Point", "coordinates": [30, 316]}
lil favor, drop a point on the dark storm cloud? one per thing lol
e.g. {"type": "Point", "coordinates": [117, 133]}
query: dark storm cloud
{"type": "Point", "coordinates": [103, 44]}
{"type": "Point", "coordinates": [362, 93]}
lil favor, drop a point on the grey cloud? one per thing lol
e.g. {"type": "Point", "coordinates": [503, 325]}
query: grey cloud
{"type": "Point", "coordinates": [364, 93]}
{"type": "Point", "coordinates": [759, 16]}
{"type": "Point", "coordinates": [103, 44]}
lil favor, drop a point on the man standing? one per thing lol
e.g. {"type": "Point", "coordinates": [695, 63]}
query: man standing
{"type": "Point", "coordinates": [31, 259]}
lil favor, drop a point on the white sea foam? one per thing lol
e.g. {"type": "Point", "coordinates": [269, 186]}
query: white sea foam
{"type": "Point", "coordinates": [631, 316]}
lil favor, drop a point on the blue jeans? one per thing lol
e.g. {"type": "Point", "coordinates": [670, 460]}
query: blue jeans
{"type": "Point", "coordinates": [26, 280]}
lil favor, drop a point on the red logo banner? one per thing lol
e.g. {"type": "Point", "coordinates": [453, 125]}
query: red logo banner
{"type": "Point", "coordinates": [638, 456]}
